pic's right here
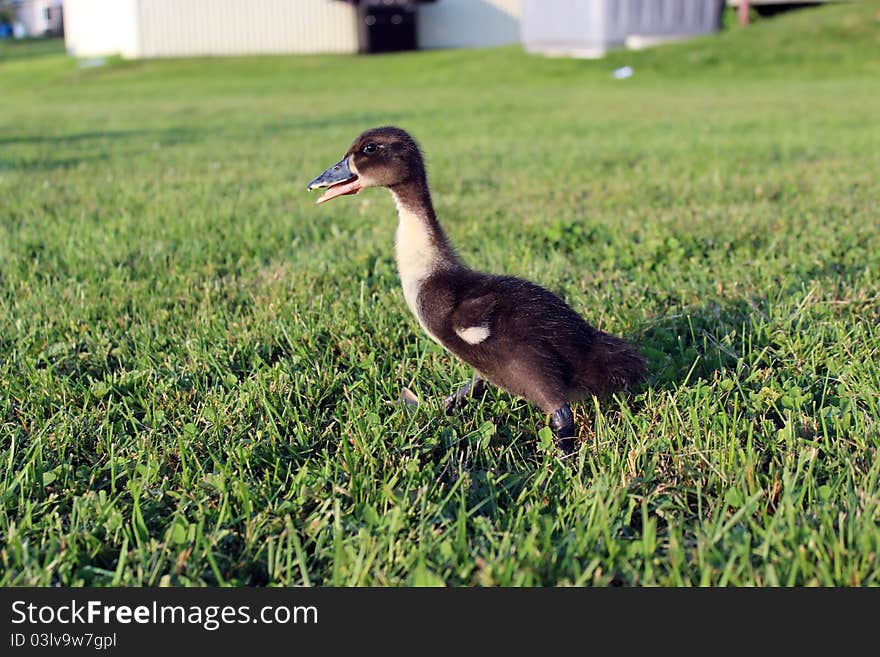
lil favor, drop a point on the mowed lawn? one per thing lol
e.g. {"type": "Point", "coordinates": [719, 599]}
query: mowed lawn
{"type": "Point", "coordinates": [198, 366]}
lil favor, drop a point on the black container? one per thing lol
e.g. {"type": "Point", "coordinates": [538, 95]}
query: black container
{"type": "Point", "coordinates": [387, 28]}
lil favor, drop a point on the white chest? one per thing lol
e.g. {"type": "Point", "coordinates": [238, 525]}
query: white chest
{"type": "Point", "coordinates": [417, 258]}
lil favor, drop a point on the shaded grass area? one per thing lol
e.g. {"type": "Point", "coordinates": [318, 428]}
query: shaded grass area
{"type": "Point", "coordinates": [198, 367]}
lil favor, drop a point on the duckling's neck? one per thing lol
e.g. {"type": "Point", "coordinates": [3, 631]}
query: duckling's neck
{"type": "Point", "coordinates": [422, 247]}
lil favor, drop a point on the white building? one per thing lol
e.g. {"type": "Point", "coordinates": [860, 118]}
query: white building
{"type": "Point", "coordinates": [589, 28]}
{"type": "Point", "coordinates": [469, 23]}
{"type": "Point", "coordinates": [179, 28]}
{"type": "Point", "coordinates": [38, 18]}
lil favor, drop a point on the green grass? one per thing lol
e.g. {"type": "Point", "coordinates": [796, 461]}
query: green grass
{"type": "Point", "coordinates": [197, 364]}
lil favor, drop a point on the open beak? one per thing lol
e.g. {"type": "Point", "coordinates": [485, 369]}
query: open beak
{"type": "Point", "coordinates": [339, 181]}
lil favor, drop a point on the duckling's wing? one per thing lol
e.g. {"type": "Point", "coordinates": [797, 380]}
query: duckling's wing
{"type": "Point", "coordinates": [472, 317]}
{"type": "Point", "coordinates": [473, 311]}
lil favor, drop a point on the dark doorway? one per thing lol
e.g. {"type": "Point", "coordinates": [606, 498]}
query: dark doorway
{"type": "Point", "coordinates": [387, 29]}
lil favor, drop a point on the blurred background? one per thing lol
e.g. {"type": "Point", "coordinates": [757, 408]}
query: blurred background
{"type": "Point", "coordinates": [170, 28]}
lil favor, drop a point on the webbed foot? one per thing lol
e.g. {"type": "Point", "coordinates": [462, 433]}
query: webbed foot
{"type": "Point", "coordinates": [562, 424]}
{"type": "Point", "coordinates": [472, 388]}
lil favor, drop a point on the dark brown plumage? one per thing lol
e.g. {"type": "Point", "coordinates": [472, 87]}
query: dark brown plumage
{"type": "Point", "coordinates": [515, 334]}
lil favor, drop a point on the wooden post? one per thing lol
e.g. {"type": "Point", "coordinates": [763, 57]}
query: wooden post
{"type": "Point", "coordinates": [743, 12]}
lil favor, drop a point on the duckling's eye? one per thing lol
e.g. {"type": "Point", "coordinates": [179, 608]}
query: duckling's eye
{"type": "Point", "coordinates": [370, 148]}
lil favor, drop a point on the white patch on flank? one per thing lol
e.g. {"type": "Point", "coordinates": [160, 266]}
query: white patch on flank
{"type": "Point", "coordinates": [473, 334]}
{"type": "Point", "coordinates": [417, 257]}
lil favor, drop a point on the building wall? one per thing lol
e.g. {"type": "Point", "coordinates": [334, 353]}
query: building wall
{"type": "Point", "coordinates": [95, 28]}
{"type": "Point", "coordinates": [563, 26]}
{"type": "Point", "coordinates": [232, 27]}
{"type": "Point", "coordinates": [469, 23]}
{"type": "Point", "coordinates": [180, 28]}
{"type": "Point", "coordinates": [588, 28]}
{"type": "Point", "coordinates": [32, 15]}
{"type": "Point", "coordinates": [672, 17]}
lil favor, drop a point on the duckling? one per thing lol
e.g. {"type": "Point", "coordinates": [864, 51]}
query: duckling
{"type": "Point", "coordinates": [514, 333]}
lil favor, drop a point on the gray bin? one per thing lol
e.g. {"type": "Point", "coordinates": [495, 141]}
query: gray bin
{"type": "Point", "coordinates": [589, 28]}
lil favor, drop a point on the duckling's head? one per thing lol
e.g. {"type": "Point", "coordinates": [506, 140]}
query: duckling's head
{"type": "Point", "coordinates": [379, 157]}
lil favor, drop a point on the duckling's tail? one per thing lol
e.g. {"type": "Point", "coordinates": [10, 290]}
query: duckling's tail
{"type": "Point", "coordinates": [611, 365]}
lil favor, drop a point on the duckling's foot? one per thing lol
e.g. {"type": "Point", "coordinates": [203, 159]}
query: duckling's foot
{"type": "Point", "coordinates": [472, 388]}
{"type": "Point", "coordinates": [562, 424]}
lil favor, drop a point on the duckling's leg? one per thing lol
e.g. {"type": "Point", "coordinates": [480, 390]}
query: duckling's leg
{"type": "Point", "coordinates": [472, 388]}
{"type": "Point", "coordinates": [562, 424]}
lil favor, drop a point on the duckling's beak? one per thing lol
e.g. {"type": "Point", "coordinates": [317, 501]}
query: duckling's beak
{"type": "Point", "coordinates": [339, 179]}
